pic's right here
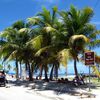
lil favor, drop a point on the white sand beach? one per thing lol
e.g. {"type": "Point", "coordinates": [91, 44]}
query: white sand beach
{"type": "Point", "coordinates": [24, 90]}
{"type": "Point", "coordinates": [67, 92]}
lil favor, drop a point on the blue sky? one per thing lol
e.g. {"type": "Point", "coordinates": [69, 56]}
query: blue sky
{"type": "Point", "coordinates": [13, 10]}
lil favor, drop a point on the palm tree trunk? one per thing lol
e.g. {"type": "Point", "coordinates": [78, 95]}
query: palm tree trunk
{"type": "Point", "coordinates": [32, 69]}
{"type": "Point", "coordinates": [75, 68]}
{"type": "Point", "coordinates": [41, 70]}
{"type": "Point", "coordinates": [45, 70]}
{"type": "Point", "coordinates": [26, 69]}
{"type": "Point", "coordinates": [56, 71]}
{"type": "Point", "coordinates": [51, 73]}
{"type": "Point", "coordinates": [99, 71]}
{"type": "Point", "coordinates": [17, 69]}
{"type": "Point", "coordinates": [30, 72]}
{"type": "Point", "coordinates": [20, 70]}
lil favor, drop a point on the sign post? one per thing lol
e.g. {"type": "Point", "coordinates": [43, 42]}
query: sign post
{"type": "Point", "coordinates": [89, 60]}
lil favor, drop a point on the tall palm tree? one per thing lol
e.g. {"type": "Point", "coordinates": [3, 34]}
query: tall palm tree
{"type": "Point", "coordinates": [47, 24]}
{"type": "Point", "coordinates": [76, 22]}
{"type": "Point", "coordinates": [15, 46]}
{"type": "Point", "coordinates": [8, 46]}
{"type": "Point", "coordinates": [26, 34]}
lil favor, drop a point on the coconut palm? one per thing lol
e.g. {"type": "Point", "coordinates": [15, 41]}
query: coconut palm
{"type": "Point", "coordinates": [48, 25]}
{"type": "Point", "coordinates": [26, 35]}
{"type": "Point", "coordinates": [77, 44]}
{"type": "Point", "coordinates": [8, 45]}
{"type": "Point", "coordinates": [15, 46]}
{"type": "Point", "coordinates": [76, 22]}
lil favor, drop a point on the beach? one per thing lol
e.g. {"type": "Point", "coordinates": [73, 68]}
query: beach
{"type": "Point", "coordinates": [65, 91]}
{"type": "Point", "coordinates": [52, 90]}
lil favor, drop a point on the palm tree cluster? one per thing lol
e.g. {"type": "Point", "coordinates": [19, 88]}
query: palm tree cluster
{"type": "Point", "coordinates": [49, 39]}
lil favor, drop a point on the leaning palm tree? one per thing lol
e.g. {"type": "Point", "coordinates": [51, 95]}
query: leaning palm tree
{"type": "Point", "coordinates": [77, 43]}
{"type": "Point", "coordinates": [76, 22]}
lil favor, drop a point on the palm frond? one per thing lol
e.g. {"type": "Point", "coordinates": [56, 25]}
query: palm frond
{"type": "Point", "coordinates": [86, 15]}
{"type": "Point", "coordinates": [36, 43]}
{"type": "Point", "coordinates": [74, 13]}
{"type": "Point", "coordinates": [95, 34]}
{"type": "Point", "coordinates": [18, 24]}
{"type": "Point", "coordinates": [33, 20]}
{"type": "Point", "coordinates": [12, 55]}
{"type": "Point", "coordinates": [41, 50]}
{"type": "Point", "coordinates": [86, 29]}
{"type": "Point", "coordinates": [3, 34]}
{"type": "Point", "coordinates": [49, 29]}
{"type": "Point", "coordinates": [54, 9]}
{"type": "Point", "coordinates": [2, 42]}
{"type": "Point", "coordinates": [96, 71]}
{"type": "Point", "coordinates": [95, 43]}
{"type": "Point", "coordinates": [45, 15]}
{"type": "Point", "coordinates": [64, 56]}
{"type": "Point", "coordinates": [79, 40]}
{"type": "Point", "coordinates": [24, 30]}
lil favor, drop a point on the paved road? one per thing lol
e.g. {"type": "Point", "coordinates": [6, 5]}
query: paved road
{"type": "Point", "coordinates": [19, 93]}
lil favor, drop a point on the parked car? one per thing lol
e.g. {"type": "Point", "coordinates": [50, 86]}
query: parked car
{"type": "Point", "coordinates": [2, 78]}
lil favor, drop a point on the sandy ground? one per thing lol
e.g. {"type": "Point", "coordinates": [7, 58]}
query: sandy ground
{"type": "Point", "coordinates": [18, 93]}
{"type": "Point", "coordinates": [67, 91]}
{"type": "Point", "coordinates": [40, 90]}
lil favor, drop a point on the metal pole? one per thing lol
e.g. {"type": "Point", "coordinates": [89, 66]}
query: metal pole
{"type": "Point", "coordinates": [89, 79]}
{"type": "Point", "coordinates": [98, 76]}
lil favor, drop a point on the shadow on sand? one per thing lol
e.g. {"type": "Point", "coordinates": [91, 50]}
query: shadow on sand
{"type": "Point", "coordinates": [58, 88]}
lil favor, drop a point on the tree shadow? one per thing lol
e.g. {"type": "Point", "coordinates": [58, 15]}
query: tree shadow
{"type": "Point", "coordinates": [58, 88]}
{"type": "Point", "coordinates": [66, 88]}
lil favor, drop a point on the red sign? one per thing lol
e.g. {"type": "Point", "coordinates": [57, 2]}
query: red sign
{"type": "Point", "coordinates": [89, 58]}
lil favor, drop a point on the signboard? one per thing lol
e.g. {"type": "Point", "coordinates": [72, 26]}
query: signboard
{"type": "Point", "coordinates": [89, 58]}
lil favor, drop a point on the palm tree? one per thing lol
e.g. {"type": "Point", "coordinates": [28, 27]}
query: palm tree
{"type": "Point", "coordinates": [15, 45]}
{"type": "Point", "coordinates": [47, 24]}
{"type": "Point", "coordinates": [8, 46]}
{"type": "Point", "coordinates": [76, 22]}
{"type": "Point", "coordinates": [26, 35]}
{"type": "Point", "coordinates": [77, 44]}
